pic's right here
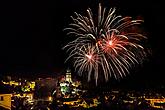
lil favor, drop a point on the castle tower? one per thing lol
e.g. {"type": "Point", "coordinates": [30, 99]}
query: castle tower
{"type": "Point", "coordinates": [68, 75]}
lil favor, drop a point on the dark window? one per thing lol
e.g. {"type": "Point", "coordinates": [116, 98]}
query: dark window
{"type": "Point", "coordinates": [159, 104]}
{"type": "Point", "coordinates": [1, 98]}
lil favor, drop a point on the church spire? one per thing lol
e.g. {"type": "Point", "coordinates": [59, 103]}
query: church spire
{"type": "Point", "coordinates": [68, 75]}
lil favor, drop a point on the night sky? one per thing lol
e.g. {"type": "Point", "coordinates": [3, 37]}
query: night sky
{"type": "Point", "coordinates": [31, 34]}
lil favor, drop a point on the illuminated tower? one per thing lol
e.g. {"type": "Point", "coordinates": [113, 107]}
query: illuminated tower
{"type": "Point", "coordinates": [68, 75]}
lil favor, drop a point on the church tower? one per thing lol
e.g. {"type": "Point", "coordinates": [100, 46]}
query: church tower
{"type": "Point", "coordinates": [68, 75]}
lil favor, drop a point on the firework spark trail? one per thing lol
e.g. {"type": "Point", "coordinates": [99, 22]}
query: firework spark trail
{"type": "Point", "coordinates": [105, 46]}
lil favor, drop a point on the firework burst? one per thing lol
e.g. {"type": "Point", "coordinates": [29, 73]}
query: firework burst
{"type": "Point", "coordinates": [104, 46]}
